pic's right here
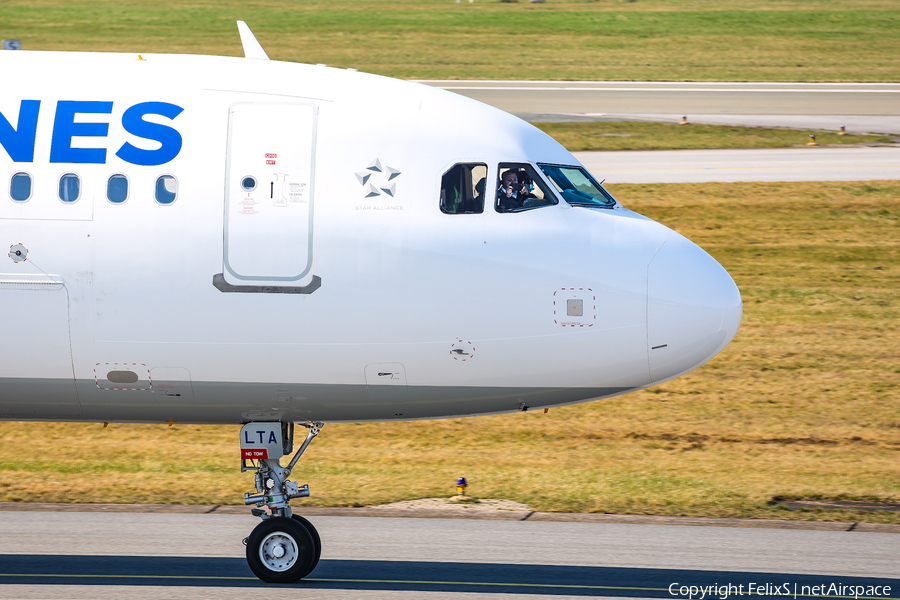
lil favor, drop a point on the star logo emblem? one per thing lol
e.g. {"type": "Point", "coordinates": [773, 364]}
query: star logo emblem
{"type": "Point", "coordinates": [377, 180]}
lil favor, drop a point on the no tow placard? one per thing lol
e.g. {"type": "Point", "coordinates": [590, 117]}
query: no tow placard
{"type": "Point", "coordinates": [261, 441]}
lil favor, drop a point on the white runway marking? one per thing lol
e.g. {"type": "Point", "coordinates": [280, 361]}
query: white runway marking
{"type": "Point", "coordinates": [553, 100]}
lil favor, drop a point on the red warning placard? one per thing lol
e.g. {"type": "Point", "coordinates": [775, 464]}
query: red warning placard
{"type": "Point", "coordinates": [255, 453]}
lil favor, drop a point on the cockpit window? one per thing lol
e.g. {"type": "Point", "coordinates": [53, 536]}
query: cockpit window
{"type": "Point", "coordinates": [577, 187]}
{"type": "Point", "coordinates": [519, 188]}
{"type": "Point", "coordinates": [462, 189]}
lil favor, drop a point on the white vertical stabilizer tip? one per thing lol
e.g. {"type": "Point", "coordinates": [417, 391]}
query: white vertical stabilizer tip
{"type": "Point", "coordinates": [252, 49]}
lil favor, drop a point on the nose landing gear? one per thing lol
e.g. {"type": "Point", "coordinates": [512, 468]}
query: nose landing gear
{"type": "Point", "coordinates": [284, 548]}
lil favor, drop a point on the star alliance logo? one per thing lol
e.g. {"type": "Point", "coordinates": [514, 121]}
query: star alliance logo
{"type": "Point", "coordinates": [378, 180]}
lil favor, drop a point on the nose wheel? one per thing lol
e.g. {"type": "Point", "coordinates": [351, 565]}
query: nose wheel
{"type": "Point", "coordinates": [282, 550]}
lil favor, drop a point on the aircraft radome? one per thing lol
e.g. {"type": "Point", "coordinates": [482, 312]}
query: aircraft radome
{"type": "Point", "coordinates": [201, 239]}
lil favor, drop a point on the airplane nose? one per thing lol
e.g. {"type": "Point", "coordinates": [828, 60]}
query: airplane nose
{"type": "Point", "coordinates": [694, 308]}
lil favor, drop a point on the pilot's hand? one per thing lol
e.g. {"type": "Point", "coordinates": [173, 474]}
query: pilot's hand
{"type": "Point", "coordinates": [509, 191]}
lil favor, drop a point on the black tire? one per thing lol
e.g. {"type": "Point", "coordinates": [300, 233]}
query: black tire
{"type": "Point", "coordinates": [317, 541]}
{"type": "Point", "coordinates": [295, 543]}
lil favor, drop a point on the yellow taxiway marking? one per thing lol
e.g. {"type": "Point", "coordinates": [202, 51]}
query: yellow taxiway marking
{"type": "Point", "coordinates": [397, 581]}
{"type": "Point", "coordinates": [333, 580]}
{"type": "Point", "coordinates": [94, 576]}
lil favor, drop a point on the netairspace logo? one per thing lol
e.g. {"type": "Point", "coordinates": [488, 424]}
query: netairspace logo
{"type": "Point", "coordinates": [834, 590]}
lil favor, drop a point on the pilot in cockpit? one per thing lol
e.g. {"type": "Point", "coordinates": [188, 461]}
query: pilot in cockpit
{"type": "Point", "coordinates": [508, 193]}
{"type": "Point", "coordinates": [516, 187]}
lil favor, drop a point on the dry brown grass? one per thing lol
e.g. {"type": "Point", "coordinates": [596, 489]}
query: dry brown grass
{"type": "Point", "coordinates": [802, 404]}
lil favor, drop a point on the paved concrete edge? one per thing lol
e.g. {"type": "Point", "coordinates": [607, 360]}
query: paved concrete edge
{"type": "Point", "coordinates": [460, 513]}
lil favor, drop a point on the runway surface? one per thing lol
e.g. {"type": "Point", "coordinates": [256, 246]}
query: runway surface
{"type": "Point", "coordinates": [128, 555]}
{"type": "Point", "coordinates": [763, 164]}
{"type": "Point", "coordinates": [862, 107]}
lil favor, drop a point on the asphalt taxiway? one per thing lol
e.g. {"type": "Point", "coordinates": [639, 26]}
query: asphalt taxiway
{"type": "Point", "coordinates": [145, 555]}
{"type": "Point", "coordinates": [871, 107]}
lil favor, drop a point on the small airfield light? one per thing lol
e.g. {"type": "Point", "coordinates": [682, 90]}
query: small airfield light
{"type": "Point", "coordinates": [461, 486]}
{"type": "Point", "coordinates": [684, 120]}
{"type": "Point", "coordinates": [843, 131]}
{"type": "Point", "coordinates": [812, 140]}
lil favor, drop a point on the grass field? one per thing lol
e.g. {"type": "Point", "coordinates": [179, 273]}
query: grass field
{"type": "Point", "coordinates": [701, 40]}
{"type": "Point", "coordinates": [634, 135]}
{"type": "Point", "coordinates": [802, 404]}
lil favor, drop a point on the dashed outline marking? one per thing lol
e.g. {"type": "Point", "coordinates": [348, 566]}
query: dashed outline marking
{"type": "Point", "coordinates": [124, 389]}
{"type": "Point", "coordinates": [575, 324]}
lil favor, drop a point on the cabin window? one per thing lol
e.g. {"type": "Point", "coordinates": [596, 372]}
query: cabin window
{"type": "Point", "coordinates": [20, 187]}
{"type": "Point", "coordinates": [519, 188]}
{"type": "Point", "coordinates": [166, 189]}
{"type": "Point", "coordinates": [462, 189]}
{"type": "Point", "coordinates": [117, 189]}
{"type": "Point", "coordinates": [69, 187]}
{"type": "Point", "coordinates": [577, 187]}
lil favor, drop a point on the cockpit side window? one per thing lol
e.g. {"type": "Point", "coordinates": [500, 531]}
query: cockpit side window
{"type": "Point", "coordinates": [519, 188]}
{"type": "Point", "coordinates": [577, 187]}
{"type": "Point", "coordinates": [462, 189]}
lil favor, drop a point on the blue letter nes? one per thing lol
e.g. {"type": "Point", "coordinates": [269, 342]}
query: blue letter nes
{"type": "Point", "coordinates": [82, 118]}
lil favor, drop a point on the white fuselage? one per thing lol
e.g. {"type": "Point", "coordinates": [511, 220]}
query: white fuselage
{"type": "Point", "coordinates": [336, 289]}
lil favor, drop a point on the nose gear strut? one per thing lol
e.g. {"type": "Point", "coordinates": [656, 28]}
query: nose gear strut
{"type": "Point", "coordinates": [284, 547]}
{"type": "Point", "coordinates": [272, 487]}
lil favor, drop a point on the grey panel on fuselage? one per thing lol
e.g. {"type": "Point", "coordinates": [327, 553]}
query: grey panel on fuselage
{"type": "Point", "coordinates": [243, 402]}
{"type": "Point", "coordinates": [38, 399]}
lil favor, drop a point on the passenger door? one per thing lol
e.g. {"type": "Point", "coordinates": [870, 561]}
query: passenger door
{"type": "Point", "coordinates": [269, 194]}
